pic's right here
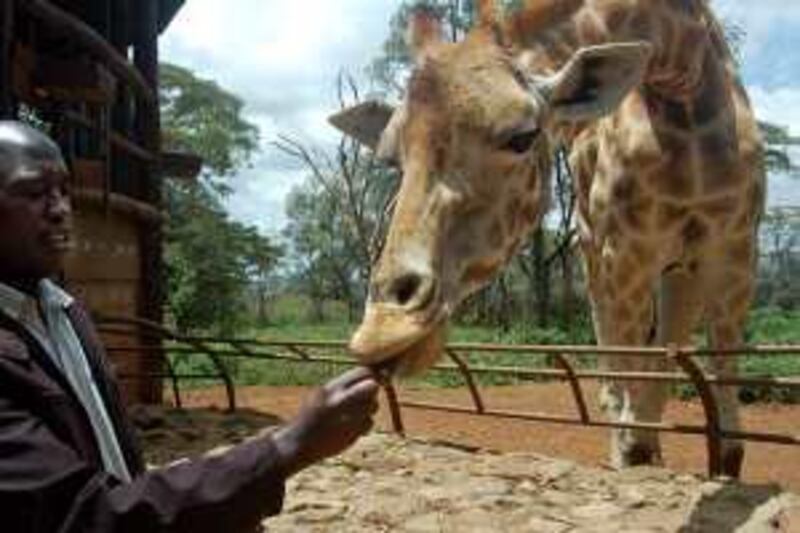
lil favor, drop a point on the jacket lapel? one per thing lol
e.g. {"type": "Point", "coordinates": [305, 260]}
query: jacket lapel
{"type": "Point", "coordinates": [109, 391]}
{"type": "Point", "coordinates": [46, 388]}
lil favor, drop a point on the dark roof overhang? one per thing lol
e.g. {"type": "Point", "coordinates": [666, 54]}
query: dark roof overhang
{"type": "Point", "coordinates": [167, 9]}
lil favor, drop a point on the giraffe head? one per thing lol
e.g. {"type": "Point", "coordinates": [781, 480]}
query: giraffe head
{"type": "Point", "coordinates": [473, 137]}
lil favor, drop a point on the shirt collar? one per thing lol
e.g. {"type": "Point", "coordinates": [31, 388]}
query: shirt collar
{"type": "Point", "coordinates": [52, 294]}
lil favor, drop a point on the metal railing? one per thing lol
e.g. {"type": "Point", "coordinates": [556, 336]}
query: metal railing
{"type": "Point", "coordinates": [563, 357]}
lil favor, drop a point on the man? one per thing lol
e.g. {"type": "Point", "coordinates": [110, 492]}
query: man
{"type": "Point", "coordinates": [68, 458]}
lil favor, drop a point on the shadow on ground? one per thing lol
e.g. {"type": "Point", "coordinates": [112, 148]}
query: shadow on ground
{"type": "Point", "coordinates": [171, 434]}
{"type": "Point", "coordinates": [735, 507]}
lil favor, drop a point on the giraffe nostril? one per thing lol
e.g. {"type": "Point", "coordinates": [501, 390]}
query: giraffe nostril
{"type": "Point", "coordinates": [412, 290]}
{"type": "Point", "coordinates": [404, 288]}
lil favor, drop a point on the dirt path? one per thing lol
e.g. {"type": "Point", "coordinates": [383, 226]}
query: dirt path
{"type": "Point", "coordinates": [763, 463]}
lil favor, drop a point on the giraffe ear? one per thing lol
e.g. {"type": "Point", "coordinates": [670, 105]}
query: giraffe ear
{"type": "Point", "coordinates": [364, 122]}
{"type": "Point", "coordinates": [596, 80]}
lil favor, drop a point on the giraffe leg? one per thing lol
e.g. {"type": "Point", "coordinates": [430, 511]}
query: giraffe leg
{"type": "Point", "coordinates": [629, 401]}
{"type": "Point", "coordinates": [623, 314]}
{"type": "Point", "coordinates": [726, 331]}
{"type": "Point", "coordinates": [732, 296]}
{"type": "Point", "coordinates": [728, 334]}
{"type": "Point", "coordinates": [680, 310]}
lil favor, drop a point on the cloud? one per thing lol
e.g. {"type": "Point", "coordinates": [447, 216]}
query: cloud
{"type": "Point", "coordinates": [779, 106]}
{"type": "Point", "coordinates": [259, 197]}
{"type": "Point", "coordinates": [771, 30]}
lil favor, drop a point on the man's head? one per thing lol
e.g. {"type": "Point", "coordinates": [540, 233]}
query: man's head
{"type": "Point", "coordinates": [35, 219]}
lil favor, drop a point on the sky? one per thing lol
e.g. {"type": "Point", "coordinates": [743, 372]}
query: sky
{"type": "Point", "coordinates": [282, 58]}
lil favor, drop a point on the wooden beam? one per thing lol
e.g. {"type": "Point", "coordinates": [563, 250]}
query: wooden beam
{"type": "Point", "coordinates": [7, 106]}
{"type": "Point", "coordinates": [120, 204]}
{"type": "Point", "coordinates": [145, 58]}
{"type": "Point", "coordinates": [118, 141]}
{"type": "Point", "coordinates": [75, 80]}
{"type": "Point", "coordinates": [153, 290]}
{"type": "Point", "coordinates": [61, 21]}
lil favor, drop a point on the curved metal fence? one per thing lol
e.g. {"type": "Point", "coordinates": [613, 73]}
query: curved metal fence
{"type": "Point", "coordinates": [568, 366]}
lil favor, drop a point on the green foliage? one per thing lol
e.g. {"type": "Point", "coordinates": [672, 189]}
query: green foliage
{"type": "Point", "coordinates": [324, 268]}
{"type": "Point", "coordinates": [200, 117]}
{"type": "Point", "coordinates": [774, 326]}
{"type": "Point", "coordinates": [211, 259]}
{"type": "Point", "coordinates": [771, 326]}
{"type": "Point", "coordinates": [779, 269]}
{"type": "Point", "coordinates": [767, 326]}
{"type": "Point", "coordinates": [777, 140]}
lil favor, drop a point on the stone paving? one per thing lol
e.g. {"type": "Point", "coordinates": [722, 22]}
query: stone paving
{"type": "Point", "coordinates": [390, 484]}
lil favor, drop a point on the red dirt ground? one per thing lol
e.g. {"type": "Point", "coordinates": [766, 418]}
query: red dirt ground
{"type": "Point", "coordinates": [764, 463]}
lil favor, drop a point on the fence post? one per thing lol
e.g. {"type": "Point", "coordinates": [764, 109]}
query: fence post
{"type": "Point", "coordinates": [394, 408]}
{"type": "Point", "coordinates": [710, 407]}
{"type": "Point", "coordinates": [473, 389]}
{"type": "Point", "coordinates": [577, 392]}
{"type": "Point", "coordinates": [174, 379]}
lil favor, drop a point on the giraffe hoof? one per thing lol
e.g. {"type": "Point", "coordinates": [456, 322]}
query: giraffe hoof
{"type": "Point", "coordinates": [640, 455]}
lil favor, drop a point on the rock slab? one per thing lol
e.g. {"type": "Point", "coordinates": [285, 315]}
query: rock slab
{"type": "Point", "coordinates": [386, 483]}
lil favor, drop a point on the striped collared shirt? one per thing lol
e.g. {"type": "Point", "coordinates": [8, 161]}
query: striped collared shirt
{"type": "Point", "coordinates": [46, 319]}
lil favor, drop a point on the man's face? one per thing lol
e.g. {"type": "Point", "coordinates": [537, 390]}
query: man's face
{"type": "Point", "coordinates": [35, 219]}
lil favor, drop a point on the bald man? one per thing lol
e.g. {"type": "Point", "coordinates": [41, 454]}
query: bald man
{"type": "Point", "coordinates": [69, 461]}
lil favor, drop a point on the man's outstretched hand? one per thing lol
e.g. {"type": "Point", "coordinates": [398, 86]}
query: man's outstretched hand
{"type": "Point", "coordinates": [335, 416]}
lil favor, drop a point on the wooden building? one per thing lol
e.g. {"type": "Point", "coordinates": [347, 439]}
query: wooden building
{"type": "Point", "coordinates": [88, 71]}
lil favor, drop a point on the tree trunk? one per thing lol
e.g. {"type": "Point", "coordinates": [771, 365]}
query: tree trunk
{"type": "Point", "coordinates": [263, 313]}
{"type": "Point", "coordinates": [568, 290]}
{"type": "Point", "coordinates": [542, 279]}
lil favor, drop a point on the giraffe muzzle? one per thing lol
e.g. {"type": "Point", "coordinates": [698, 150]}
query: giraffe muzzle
{"type": "Point", "coordinates": [402, 324]}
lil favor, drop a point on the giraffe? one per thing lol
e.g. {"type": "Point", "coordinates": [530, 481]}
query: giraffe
{"type": "Point", "coordinates": [667, 163]}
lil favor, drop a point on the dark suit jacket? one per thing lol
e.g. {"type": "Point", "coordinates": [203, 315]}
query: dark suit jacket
{"type": "Point", "coordinates": [51, 474]}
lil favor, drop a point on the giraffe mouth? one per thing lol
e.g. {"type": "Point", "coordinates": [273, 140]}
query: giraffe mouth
{"type": "Point", "coordinates": [397, 343]}
{"type": "Point", "coordinates": [417, 358]}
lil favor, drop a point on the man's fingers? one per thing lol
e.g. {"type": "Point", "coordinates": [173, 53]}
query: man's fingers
{"type": "Point", "coordinates": [361, 392]}
{"type": "Point", "coordinates": [350, 378]}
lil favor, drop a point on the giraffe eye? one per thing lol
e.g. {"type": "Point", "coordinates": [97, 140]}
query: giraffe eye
{"type": "Point", "coordinates": [520, 143]}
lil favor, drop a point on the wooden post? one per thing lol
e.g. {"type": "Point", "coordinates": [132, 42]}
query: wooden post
{"type": "Point", "coordinates": [7, 106]}
{"type": "Point", "coordinates": [122, 116]}
{"type": "Point", "coordinates": [145, 54]}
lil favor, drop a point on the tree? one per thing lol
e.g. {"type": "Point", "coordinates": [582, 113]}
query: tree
{"type": "Point", "coordinates": [211, 260]}
{"type": "Point", "coordinates": [335, 215]}
{"type": "Point", "coordinates": [779, 273]}
{"type": "Point", "coordinates": [261, 258]}
{"type": "Point", "coordinates": [777, 140]}
{"type": "Point", "coordinates": [200, 117]}
{"type": "Point", "coordinates": [395, 58]}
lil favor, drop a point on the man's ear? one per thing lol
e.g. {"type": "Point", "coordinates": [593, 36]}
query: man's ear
{"type": "Point", "coordinates": [596, 80]}
{"type": "Point", "coordinates": [364, 122]}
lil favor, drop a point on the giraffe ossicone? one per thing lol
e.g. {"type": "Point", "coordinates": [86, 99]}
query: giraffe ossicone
{"type": "Point", "coordinates": [668, 171]}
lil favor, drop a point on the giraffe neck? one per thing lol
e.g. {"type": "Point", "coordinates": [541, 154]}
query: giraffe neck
{"type": "Point", "coordinates": [688, 135]}
{"type": "Point", "coordinates": [683, 33]}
